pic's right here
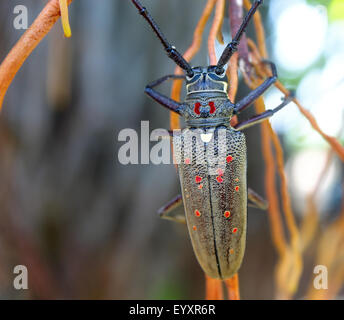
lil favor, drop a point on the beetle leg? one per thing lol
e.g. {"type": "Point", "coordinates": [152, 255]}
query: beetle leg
{"type": "Point", "coordinates": [173, 210]}
{"type": "Point", "coordinates": [262, 116]}
{"type": "Point", "coordinates": [162, 99]}
{"type": "Point", "coordinates": [256, 200]}
{"type": "Point", "coordinates": [256, 93]}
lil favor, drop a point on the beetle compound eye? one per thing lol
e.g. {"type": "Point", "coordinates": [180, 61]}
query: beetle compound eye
{"type": "Point", "coordinates": [189, 78]}
{"type": "Point", "coordinates": [197, 107]}
{"type": "Point", "coordinates": [212, 107]}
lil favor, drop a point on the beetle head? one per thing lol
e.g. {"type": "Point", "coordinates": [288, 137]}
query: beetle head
{"type": "Point", "coordinates": [206, 79]}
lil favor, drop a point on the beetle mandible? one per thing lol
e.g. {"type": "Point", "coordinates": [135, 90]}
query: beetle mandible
{"type": "Point", "coordinates": [215, 204]}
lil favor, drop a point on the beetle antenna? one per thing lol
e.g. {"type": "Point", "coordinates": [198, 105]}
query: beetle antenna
{"type": "Point", "coordinates": [170, 50]}
{"type": "Point", "coordinates": [233, 45]}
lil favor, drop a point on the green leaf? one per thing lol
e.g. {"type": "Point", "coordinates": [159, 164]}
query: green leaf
{"type": "Point", "coordinates": [336, 10]}
{"type": "Point", "coordinates": [317, 2]}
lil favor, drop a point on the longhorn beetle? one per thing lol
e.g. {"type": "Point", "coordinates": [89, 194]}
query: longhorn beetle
{"type": "Point", "coordinates": [215, 205]}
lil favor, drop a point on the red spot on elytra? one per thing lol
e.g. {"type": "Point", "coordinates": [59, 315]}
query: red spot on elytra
{"type": "Point", "coordinates": [212, 107]}
{"type": "Point", "coordinates": [197, 213]}
{"type": "Point", "coordinates": [229, 159]}
{"type": "Point", "coordinates": [197, 107]}
{"type": "Point", "coordinates": [237, 188]}
{"type": "Point", "coordinates": [219, 172]}
{"type": "Point", "coordinates": [236, 180]}
{"type": "Point", "coordinates": [231, 251]}
{"type": "Point", "coordinates": [187, 161]}
{"type": "Point", "coordinates": [194, 227]}
{"type": "Point", "coordinates": [200, 186]}
{"type": "Point", "coordinates": [227, 214]}
{"type": "Point", "coordinates": [198, 179]}
{"type": "Point", "coordinates": [235, 230]}
{"type": "Point", "coordinates": [219, 179]}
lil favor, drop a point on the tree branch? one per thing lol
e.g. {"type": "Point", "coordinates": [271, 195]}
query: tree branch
{"type": "Point", "coordinates": [26, 44]}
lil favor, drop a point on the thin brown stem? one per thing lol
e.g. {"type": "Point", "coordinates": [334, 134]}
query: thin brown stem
{"type": "Point", "coordinates": [214, 31]}
{"type": "Point", "coordinates": [65, 18]}
{"type": "Point", "coordinates": [213, 289]}
{"type": "Point", "coordinates": [26, 44]}
{"type": "Point", "coordinates": [232, 285]}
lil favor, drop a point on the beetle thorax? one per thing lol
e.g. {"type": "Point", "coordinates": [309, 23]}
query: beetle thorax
{"type": "Point", "coordinates": [207, 102]}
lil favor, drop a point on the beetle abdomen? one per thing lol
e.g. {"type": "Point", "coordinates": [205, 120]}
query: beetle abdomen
{"type": "Point", "coordinates": [214, 191]}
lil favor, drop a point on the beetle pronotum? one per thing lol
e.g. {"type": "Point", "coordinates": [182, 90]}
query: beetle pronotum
{"type": "Point", "coordinates": [214, 190]}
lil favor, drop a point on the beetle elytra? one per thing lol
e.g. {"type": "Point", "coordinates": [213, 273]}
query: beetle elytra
{"type": "Point", "coordinates": [214, 190]}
